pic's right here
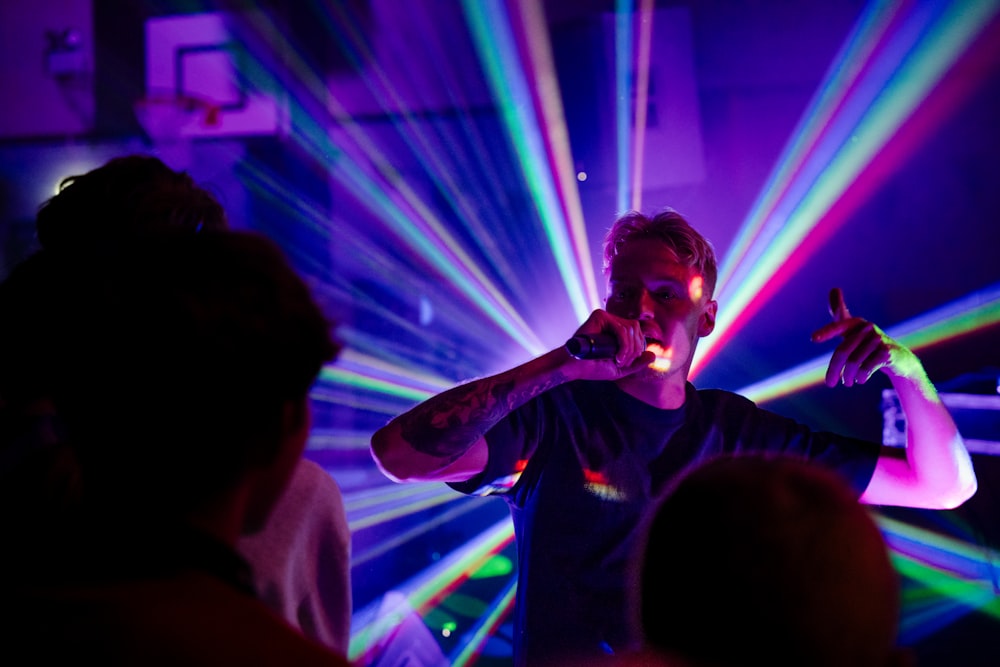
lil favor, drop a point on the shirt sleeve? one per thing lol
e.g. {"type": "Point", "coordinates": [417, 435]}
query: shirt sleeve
{"type": "Point", "coordinates": [743, 426]}
{"type": "Point", "coordinates": [513, 442]}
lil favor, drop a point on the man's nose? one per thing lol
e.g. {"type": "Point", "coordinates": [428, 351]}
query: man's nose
{"type": "Point", "coordinates": [646, 305]}
{"type": "Point", "coordinates": [642, 305]}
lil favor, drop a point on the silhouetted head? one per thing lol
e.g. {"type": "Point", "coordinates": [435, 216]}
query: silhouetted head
{"type": "Point", "coordinates": [755, 561]}
{"type": "Point", "coordinates": [190, 360]}
{"type": "Point", "coordinates": [134, 194]}
{"type": "Point", "coordinates": [127, 197]}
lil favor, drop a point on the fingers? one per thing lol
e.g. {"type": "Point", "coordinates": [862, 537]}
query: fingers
{"type": "Point", "coordinates": [863, 351]}
{"type": "Point", "coordinates": [879, 358]}
{"type": "Point", "coordinates": [631, 342]}
{"type": "Point", "coordinates": [842, 320]}
{"type": "Point", "coordinates": [863, 361]}
{"type": "Point", "coordinates": [838, 307]}
{"type": "Point", "coordinates": [834, 329]}
{"type": "Point", "coordinates": [641, 362]}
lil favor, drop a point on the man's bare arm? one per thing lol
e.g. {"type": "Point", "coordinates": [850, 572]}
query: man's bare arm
{"type": "Point", "coordinates": [442, 438]}
{"type": "Point", "coordinates": [935, 470]}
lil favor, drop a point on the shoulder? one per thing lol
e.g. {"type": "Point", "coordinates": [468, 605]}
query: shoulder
{"type": "Point", "coordinates": [312, 505]}
{"type": "Point", "coordinates": [735, 417]}
{"type": "Point", "coordinates": [309, 488]}
{"type": "Point", "coordinates": [720, 400]}
{"type": "Point", "coordinates": [310, 475]}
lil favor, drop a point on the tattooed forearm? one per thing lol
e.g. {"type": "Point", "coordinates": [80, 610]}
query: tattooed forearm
{"type": "Point", "coordinates": [448, 424]}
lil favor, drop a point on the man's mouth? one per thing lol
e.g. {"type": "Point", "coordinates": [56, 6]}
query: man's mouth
{"type": "Point", "coordinates": [664, 356]}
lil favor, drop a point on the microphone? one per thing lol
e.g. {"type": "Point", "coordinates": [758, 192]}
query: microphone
{"type": "Point", "coordinates": [592, 346]}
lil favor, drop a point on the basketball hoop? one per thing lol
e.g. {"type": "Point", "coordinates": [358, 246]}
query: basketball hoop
{"type": "Point", "coordinates": [172, 117]}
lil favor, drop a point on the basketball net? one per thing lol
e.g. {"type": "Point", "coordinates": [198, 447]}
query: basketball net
{"type": "Point", "coordinates": [169, 118]}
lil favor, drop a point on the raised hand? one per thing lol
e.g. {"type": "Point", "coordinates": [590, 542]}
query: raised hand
{"type": "Point", "coordinates": [865, 348]}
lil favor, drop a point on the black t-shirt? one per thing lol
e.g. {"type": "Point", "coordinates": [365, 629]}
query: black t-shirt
{"type": "Point", "coordinates": [583, 464]}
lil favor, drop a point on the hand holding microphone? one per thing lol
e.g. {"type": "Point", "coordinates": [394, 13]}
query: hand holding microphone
{"type": "Point", "coordinates": [593, 346]}
{"type": "Point", "coordinates": [609, 337]}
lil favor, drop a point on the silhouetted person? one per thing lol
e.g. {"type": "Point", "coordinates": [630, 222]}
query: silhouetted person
{"type": "Point", "coordinates": [753, 561]}
{"type": "Point", "coordinates": [184, 393]}
{"type": "Point", "coordinates": [301, 560]}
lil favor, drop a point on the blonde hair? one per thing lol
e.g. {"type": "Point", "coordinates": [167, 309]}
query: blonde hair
{"type": "Point", "coordinates": [670, 227]}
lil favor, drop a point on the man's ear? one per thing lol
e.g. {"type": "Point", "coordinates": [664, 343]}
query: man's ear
{"type": "Point", "coordinates": [706, 323]}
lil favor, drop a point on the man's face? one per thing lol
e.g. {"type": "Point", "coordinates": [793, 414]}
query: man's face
{"type": "Point", "coordinates": [647, 283]}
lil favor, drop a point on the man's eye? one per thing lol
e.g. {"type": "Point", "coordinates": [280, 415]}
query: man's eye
{"type": "Point", "coordinates": [666, 295]}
